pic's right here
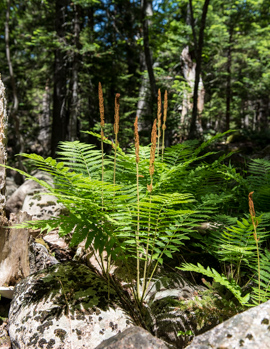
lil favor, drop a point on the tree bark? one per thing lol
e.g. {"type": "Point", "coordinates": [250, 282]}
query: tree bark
{"type": "Point", "coordinates": [193, 128]}
{"type": "Point", "coordinates": [44, 122]}
{"type": "Point", "coordinates": [189, 72]}
{"type": "Point", "coordinates": [148, 91]}
{"type": "Point", "coordinates": [3, 152]}
{"type": "Point", "coordinates": [14, 260]}
{"type": "Point", "coordinates": [59, 124]}
{"type": "Point", "coordinates": [228, 83]}
{"type": "Point", "coordinates": [146, 7]}
{"type": "Point", "coordinates": [15, 107]}
{"type": "Point", "coordinates": [73, 118]}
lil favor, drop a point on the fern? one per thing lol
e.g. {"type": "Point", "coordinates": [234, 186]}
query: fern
{"type": "Point", "coordinates": [263, 294]}
{"type": "Point", "coordinates": [259, 182]}
{"type": "Point", "coordinates": [231, 285]}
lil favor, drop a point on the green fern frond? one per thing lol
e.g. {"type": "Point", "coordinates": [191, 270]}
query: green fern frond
{"type": "Point", "coordinates": [263, 294]}
{"type": "Point", "coordinates": [81, 158]}
{"type": "Point", "coordinates": [236, 244]}
{"type": "Point", "coordinates": [221, 279]}
{"type": "Point", "coordinates": [259, 182]}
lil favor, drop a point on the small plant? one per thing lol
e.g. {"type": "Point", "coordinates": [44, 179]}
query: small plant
{"type": "Point", "coordinates": [186, 333]}
{"type": "Point", "coordinates": [209, 309]}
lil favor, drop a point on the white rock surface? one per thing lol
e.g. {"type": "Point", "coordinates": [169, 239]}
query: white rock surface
{"type": "Point", "coordinates": [41, 206]}
{"type": "Point", "coordinates": [29, 187]}
{"type": "Point", "coordinates": [64, 306]}
{"type": "Point", "coordinates": [247, 330]}
{"type": "Point", "coordinates": [7, 292]}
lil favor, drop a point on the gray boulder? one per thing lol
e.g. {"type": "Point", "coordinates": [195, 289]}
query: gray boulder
{"type": "Point", "coordinates": [16, 200]}
{"type": "Point", "coordinates": [41, 206]}
{"type": "Point", "coordinates": [133, 338]}
{"type": "Point", "coordinates": [247, 330]}
{"type": "Point", "coordinates": [64, 306]}
{"type": "Point", "coordinates": [11, 186]}
{"type": "Point", "coordinates": [4, 337]}
{"type": "Point", "coordinates": [32, 198]}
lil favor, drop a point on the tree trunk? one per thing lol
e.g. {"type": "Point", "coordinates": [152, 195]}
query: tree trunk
{"type": "Point", "coordinates": [14, 260]}
{"type": "Point", "coordinates": [73, 119]}
{"type": "Point", "coordinates": [59, 124]}
{"type": "Point", "coordinates": [147, 92]}
{"type": "Point", "coordinates": [189, 72]}
{"type": "Point", "coordinates": [3, 152]}
{"type": "Point", "coordinates": [146, 7]}
{"type": "Point", "coordinates": [15, 107]}
{"type": "Point", "coordinates": [44, 122]}
{"type": "Point", "coordinates": [193, 128]}
{"type": "Point", "coordinates": [228, 83]}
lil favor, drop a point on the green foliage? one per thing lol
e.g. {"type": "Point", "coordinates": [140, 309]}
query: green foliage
{"type": "Point", "coordinates": [262, 294]}
{"type": "Point", "coordinates": [105, 214]}
{"type": "Point", "coordinates": [111, 51]}
{"type": "Point", "coordinates": [259, 182]}
{"type": "Point", "coordinates": [209, 308]}
{"type": "Point", "coordinates": [186, 333]}
{"type": "Point", "coordinates": [188, 189]}
{"type": "Point", "coordinates": [236, 244]}
{"type": "Point", "coordinates": [221, 279]}
{"type": "Point", "coordinates": [236, 248]}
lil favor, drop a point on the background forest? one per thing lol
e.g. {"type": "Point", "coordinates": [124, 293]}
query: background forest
{"type": "Point", "coordinates": [54, 53]}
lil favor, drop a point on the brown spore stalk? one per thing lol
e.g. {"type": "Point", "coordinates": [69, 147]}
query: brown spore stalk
{"type": "Point", "coordinates": [137, 142]}
{"type": "Point", "coordinates": [152, 153]}
{"type": "Point", "coordinates": [116, 115]}
{"type": "Point", "coordinates": [159, 118]}
{"type": "Point", "coordinates": [164, 121]}
{"type": "Point", "coordinates": [116, 130]}
{"type": "Point", "coordinates": [101, 110]}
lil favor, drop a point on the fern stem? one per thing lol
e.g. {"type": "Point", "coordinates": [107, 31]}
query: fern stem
{"type": "Point", "coordinates": [102, 124]}
{"type": "Point", "coordinates": [255, 224]}
{"type": "Point", "coordinates": [152, 252]}
{"type": "Point", "coordinates": [116, 130]}
{"type": "Point", "coordinates": [102, 168]}
{"type": "Point", "coordinates": [146, 262]}
{"type": "Point", "coordinates": [259, 271]}
{"type": "Point", "coordinates": [137, 152]}
{"type": "Point", "coordinates": [137, 232]}
{"type": "Point", "coordinates": [150, 188]}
